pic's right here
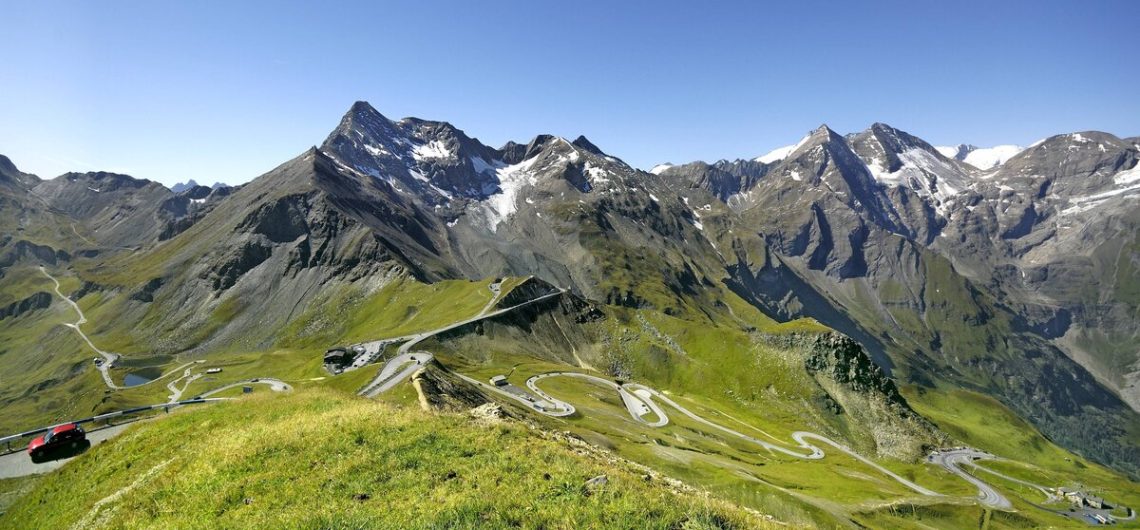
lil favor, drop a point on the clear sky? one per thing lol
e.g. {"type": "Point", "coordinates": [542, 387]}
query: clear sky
{"type": "Point", "coordinates": [227, 90]}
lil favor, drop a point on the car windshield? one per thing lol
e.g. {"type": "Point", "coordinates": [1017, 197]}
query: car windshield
{"type": "Point", "coordinates": [49, 436]}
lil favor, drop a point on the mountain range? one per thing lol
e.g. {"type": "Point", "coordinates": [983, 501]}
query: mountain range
{"type": "Point", "coordinates": [1007, 272]}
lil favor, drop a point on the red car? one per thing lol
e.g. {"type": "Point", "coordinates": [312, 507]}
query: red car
{"type": "Point", "coordinates": [69, 435]}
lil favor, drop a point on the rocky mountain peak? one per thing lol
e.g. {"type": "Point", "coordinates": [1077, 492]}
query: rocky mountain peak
{"type": "Point", "coordinates": [6, 166]}
{"type": "Point", "coordinates": [895, 158]}
{"type": "Point", "coordinates": [430, 161]}
{"type": "Point", "coordinates": [894, 140]}
{"type": "Point", "coordinates": [820, 136]}
{"type": "Point", "coordinates": [366, 122]}
{"type": "Point", "coordinates": [538, 144]}
{"type": "Point", "coordinates": [825, 134]}
{"type": "Point", "coordinates": [105, 180]}
{"type": "Point", "coordinates": [584, 143]}
{"type": "Point", "coordinates": [183, 186]}
{"type": "Point", "coordinates": [11, 175]}
{"type": "Point", "coordinates": [363, 112]}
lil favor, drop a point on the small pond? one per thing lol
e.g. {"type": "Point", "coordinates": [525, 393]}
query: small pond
{"type": "Point", "coordinates": [141, 376]}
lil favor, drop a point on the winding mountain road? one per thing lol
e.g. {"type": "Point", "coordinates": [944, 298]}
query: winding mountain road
{"type": "Point", "coordinates": [384, 380]}
{"type": "Point", "coordinates": [639, 400]}
{"type": "Point", "coordinates": [275, 385]}
{"type": "Point", "coordinates": [646, 395]}
{"type": "Point", "coordinates": [952, 460]}
{"type": "Point", "coordinates": [109, 358]}
{"type": "Point", "coordinates": [391, 375]}
{"type": "Point", "coordinates": [175, 392]}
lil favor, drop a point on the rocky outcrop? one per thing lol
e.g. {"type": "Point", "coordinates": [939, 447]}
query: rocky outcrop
{"type": "Point", "coordinates": [854, 386]}
{"type": "Point", "coordinates": [439, 390]}
{"type": "Point", "coordinates": [23, 250]}
{"type": "Point", "coordinates": [40, 300]}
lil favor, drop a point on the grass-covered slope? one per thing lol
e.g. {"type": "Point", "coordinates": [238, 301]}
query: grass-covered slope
{"type": "Point", "coordinates": [320, 459]}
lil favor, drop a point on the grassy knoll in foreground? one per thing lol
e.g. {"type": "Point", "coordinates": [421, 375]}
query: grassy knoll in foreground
{"type": "Point", "coordinates": [319, 459]}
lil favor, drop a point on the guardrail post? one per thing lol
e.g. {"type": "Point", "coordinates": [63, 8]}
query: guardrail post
{"type": "Point", "coordinates": [167, 409]}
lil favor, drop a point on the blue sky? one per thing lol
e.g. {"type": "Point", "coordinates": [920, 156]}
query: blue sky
{"type": "Point", "coordinates": [227, 90]}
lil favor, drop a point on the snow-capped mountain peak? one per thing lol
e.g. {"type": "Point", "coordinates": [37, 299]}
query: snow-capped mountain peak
{"type": "Point", "coordinates": [896, 158]}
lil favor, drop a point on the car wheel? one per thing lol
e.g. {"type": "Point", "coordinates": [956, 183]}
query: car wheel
{"type": "Point", "coordinates": [75, 445]}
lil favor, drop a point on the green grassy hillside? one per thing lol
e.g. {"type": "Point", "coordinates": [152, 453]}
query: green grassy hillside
{"type": "Point", "coordinates": [320, 459]}
{"type": "Point", "coordinates": [724, 360]}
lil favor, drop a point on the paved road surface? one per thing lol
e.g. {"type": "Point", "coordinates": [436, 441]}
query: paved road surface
{"type": "Point", "coordinates": [496, 288]}
{"type": "Point", "coordinates": [109, 358]}
{"type": "Point", "coordinates": [391, 375]}
{"type": "Point", "coordinates": [385, 380]}
{"type": "Point", "coordinates": [19, 464]}
{"type": "Point", "coordinates": [951, 460]}
{"type": "Point", "coordinates": [646, 395]}
{"type": "Point", "coordinates": [1049, 496]}
{"type": "Point", "coordinates": [275, 385]}
{"type": "Point", "coordinates": [531, 404]}
{"type": "Point", "coordinates": [175, 391]}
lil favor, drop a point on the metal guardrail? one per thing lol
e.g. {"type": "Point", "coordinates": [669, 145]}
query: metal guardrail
{"type": "Point", "coordinates": [7, 440]}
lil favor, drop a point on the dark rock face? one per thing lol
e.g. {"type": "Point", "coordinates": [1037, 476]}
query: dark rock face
{"type": "Point", "coordinates": [281, 221]}
{"type": "Point", "coordinates": [146, 294]}
{"type": "Point", "coordinates": [25, 250]}
{"type": "Point", "coordinates": [439, 390]}
{"type": "Point", "coordinates": [241, 261]}
{"type": "Point", "coordinates": [843, 360]}
{"type": "Point", "coordinates": [40, 300]}
{"type": "Point", "coordinates": [855, 387]}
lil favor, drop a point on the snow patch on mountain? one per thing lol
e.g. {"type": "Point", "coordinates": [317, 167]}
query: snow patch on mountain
{"type": "Point", "coordinates": [781, 153]}
{"type": "Point", "coordinates": [512, 179]}
{"type": "Point", "coordinates": [434, 149]}
{"type": "Point", "coordinates": [984, 158]}
{"type": "Point", "coordinates": [1129, 182]}
{"type": "Point", "coordinates": [488, 168]}
{"type": "Point", "coordinates": [947, 151]}
{"type": "Point", "coordinates": [923, 172]}
{"type": "Point", "coordinates": [992, 157]}
{"type": "Point", "coordinates": [660, 168]}
{"type": "Point", "coordinates": [596, 175]}
{"type": "Point", "coordinates": [1128, 177]}
{"type": "Point", "coordinates": [376, 150]}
